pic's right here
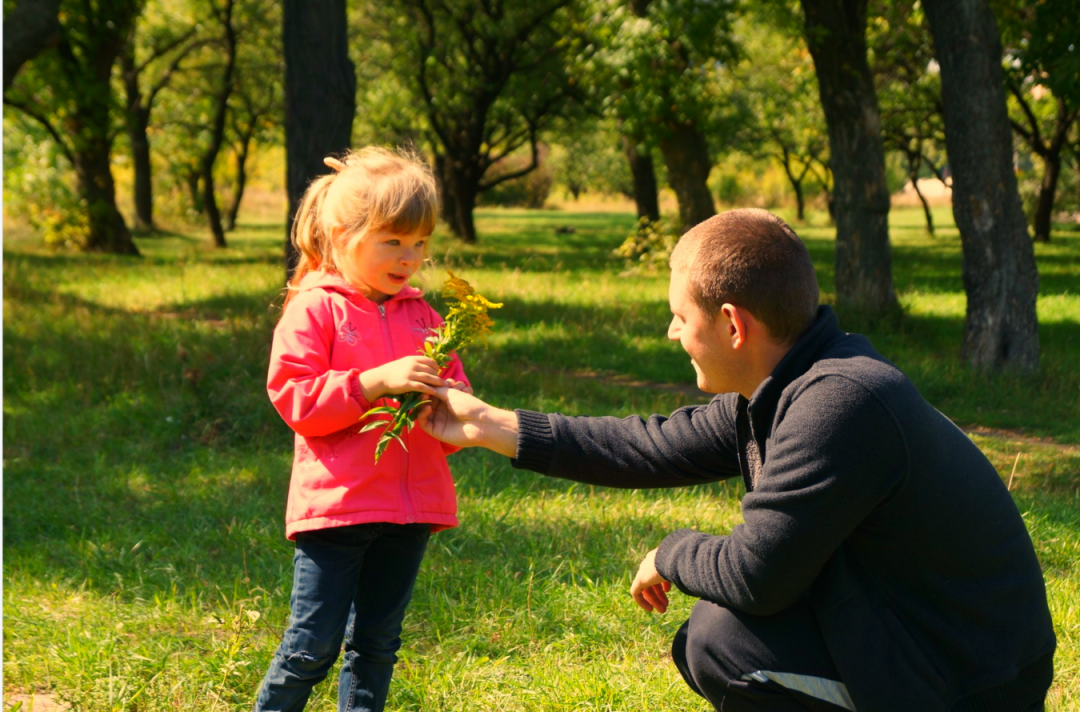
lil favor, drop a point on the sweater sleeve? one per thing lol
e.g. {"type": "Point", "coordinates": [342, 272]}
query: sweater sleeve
{"type": "Point", "coordinates": [833, 458]}
{"type": "Point", "coordinates": [310, 396]}
{"type": "Point", "coordinates": [693, 445]}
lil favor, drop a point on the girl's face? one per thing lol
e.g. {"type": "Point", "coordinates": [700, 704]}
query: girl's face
{"type": "Point", "coordinates": [380, 264]}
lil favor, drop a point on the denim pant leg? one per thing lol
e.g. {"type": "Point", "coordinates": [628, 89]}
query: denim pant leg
{"type": "Point", "coordinates": [374, 631]}
{"type": "Point", "coordinates": [327, 570]}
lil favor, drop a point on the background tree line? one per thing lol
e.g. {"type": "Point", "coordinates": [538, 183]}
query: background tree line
{"type": "Point", "coordinates": [614, 95]}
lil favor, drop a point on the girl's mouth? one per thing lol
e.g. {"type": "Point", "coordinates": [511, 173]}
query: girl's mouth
{"type": "Point", "coordinates": [397, 278]}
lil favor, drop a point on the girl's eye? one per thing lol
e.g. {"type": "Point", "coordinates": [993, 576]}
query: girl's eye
{"type": "Point", "coordinates": [393, 243]}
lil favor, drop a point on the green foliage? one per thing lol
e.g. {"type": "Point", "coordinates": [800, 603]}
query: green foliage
{"type": "Point", "coordinates": [485, 80]}
{"type": "Point", "coordinates": [785, 120]}
{"type": "Point", "coordinates": [181, 124]}
{"type": "Point", "coordinates": [1040, 38]}
{"type": "Point", "coordinates": [39, 186]}
{"type": "Point", "coordinates": [67, 91]}
{"type": "Point", "coordinates": [589, 158]}
{"type": "Point", "coordinates": [666, 67]}
{"type": "Point", "coordinates": [907, 81]}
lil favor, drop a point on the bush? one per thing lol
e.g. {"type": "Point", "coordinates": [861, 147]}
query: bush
{"type": "Point", "coordinates": [648, 248]}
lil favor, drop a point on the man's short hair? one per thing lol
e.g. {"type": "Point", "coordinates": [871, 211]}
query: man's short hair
{"type": "Point", "coordinates": [752, 259]}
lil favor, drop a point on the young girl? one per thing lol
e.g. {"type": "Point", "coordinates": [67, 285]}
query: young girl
{"type": "Point", "coordinates": [351, 333]}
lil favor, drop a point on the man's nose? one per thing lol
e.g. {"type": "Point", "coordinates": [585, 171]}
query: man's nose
{"type": "Point", "coordinates": [673, 331]}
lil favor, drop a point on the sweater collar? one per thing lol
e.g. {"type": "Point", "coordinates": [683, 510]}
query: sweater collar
{"type": "Point", "coordinates": [796, 362]}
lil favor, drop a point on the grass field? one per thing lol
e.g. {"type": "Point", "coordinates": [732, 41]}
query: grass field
{"type": "Point", "coordinates": [145, 472]}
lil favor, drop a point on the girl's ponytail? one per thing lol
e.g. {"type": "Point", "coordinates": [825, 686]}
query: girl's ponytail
{"type": "Point", "coordinates": [308, 235]}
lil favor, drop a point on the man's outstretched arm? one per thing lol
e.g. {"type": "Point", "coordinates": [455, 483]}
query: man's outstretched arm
{"type": "Point", "coordinates": [461, 419]}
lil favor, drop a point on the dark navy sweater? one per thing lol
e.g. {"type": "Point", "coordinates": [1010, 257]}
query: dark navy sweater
{"type": "Point", "coordinates": [861, 496]}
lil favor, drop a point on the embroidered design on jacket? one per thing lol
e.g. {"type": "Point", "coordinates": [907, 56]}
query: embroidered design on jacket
{"type": "Point", "coordinates": [348, 333]}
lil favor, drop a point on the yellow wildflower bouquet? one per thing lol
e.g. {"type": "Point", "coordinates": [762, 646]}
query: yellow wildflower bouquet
{"type": "Point", "coordinates": [467, 322]}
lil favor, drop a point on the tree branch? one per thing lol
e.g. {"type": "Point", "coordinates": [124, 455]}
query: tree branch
{"type": "Point", "coordinates": [68, 151]}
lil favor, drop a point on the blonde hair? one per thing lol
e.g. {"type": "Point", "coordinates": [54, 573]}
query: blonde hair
{"type": "Point", "coordinates": [370, 190]}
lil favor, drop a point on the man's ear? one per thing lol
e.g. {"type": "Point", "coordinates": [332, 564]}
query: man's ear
{"type": "Point", "coordinates": [733, 322]}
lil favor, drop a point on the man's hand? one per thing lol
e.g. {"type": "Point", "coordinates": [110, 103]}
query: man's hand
{"type": "Point", "coordinates": [649, 588]}
{"type": "Point", "coordinates": [461, 419]}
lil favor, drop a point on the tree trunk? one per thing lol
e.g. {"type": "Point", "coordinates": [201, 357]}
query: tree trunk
{"type": "Point", "coordinates": [89, 127]}
{"type": "Point", "coordinates": [1000, 278]}
{"type": "Point", "coordinates": [914, 162]}
{"type": "Point", "coordinates": [108, 232]}
{"type": "Point", "coordinates": [217, 129]}
{"type": "Point", "coordinates": [686, 155]}
{"type": "Point", "coordinates": [464, 188]}
{"type": "Point", "coordinates": [191, 178]}
{"type": "Point", "coordinates": [30, 27]}
{"type": "Point", "coordinates": [925, 205]}
{"type": "Point", "coordinates": [210, 207]}
{"type": "Point", "coordinates": [320, 96]}
{"type": "Point", "coordinates": [645, 190]}
{"type": "Point", "coordinates": [796, 183]}
{"type": "Point", "coordinates": [1044, 210]}
{"type": "Point", "coordinates": [144, 189]}
{"type": "Point", "coordinates": [446, 195]}
{"type": "Point", "coordinates": [836, 37]}
{"type": "Point", "coordinates": [241, 182]}
{"type": "Point", "coordinates": [137, 119]}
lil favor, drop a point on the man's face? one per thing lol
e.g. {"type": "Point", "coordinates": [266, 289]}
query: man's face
{"type": "Point", "coordinates": [704, 339]}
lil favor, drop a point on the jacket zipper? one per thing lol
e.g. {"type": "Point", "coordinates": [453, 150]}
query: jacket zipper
{"type": "Point", "coordinates": [410, 517]}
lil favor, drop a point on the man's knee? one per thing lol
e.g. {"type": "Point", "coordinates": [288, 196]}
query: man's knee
{"type": "Point", "coordinates": [697, 651]}
{"type": "Point", "coordinates": [712, 636]}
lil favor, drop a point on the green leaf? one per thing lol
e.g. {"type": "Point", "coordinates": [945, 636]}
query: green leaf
{"type": "Point", "coordinates": [372, 426]}
{"type": "Point", "coordinates": [381, 410]}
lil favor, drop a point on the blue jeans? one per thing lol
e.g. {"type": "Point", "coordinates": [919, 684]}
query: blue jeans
{"type": "Point", "coordinates": [353, 584]}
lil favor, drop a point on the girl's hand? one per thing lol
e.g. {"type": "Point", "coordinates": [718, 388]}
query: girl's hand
{"type": "Point", "coordinates": [412, 373]}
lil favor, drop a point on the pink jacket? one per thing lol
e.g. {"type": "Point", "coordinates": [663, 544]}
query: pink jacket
{"type": "Point", "coordinates": [328, 335]}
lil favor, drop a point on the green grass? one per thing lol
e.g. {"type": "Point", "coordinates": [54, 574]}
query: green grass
{"type": "Point", "coordinates": [145, 472]}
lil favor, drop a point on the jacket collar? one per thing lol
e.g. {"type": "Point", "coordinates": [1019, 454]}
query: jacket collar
{"type": "Point", "coordinates": [802, 356]}
{"type": "Point", "coordinates": [334, 282]}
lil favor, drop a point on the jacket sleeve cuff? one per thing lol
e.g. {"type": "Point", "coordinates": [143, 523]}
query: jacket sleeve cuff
{"type": "Point", "coordinates": [536, 442]}
{"type": "Point", "coordinates": [356, 391]}
{"type": "Point", "coordinates": [667, 555]}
